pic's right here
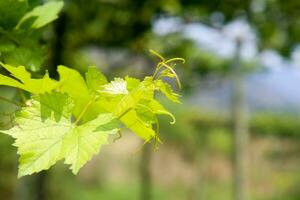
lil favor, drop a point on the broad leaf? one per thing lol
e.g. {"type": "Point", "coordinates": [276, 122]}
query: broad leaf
{"type": "Point", "coordinates": [25, 82]}
{"type": "Point", "coordinates": [73, 83]}
{"type": "Point", "coordinates": [45, 134]}
{"type": "Point", "coordinates": [39, 139]}
{"type": "Point", "coordinates": [85, 140]}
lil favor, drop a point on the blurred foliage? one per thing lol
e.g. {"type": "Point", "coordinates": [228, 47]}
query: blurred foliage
{"type": "Point", "coordinates": [276, 21]}
{"type": "Point", "coordinates": [124, 22]}
{"type": "Point", "coordinates": [281, 125]}
{"type": "Point", "coordinates": [21, 36]}
{"type": "Point", "coordinates": [195, 122]}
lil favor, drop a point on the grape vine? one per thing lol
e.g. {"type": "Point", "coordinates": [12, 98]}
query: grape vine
{"type": "Point", "coordinates": [71, 118]}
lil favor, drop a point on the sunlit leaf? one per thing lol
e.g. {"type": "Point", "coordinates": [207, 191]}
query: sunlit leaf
{"type": "Point", "coordinates": [24, 81]}
{"type": "Point", "coordinates": [117, 86]}
{"type": "Point", "coordinates": [45, 134]}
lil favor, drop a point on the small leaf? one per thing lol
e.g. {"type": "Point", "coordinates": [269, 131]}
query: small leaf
{"type": "Point", "coordinates": [115, 87]}
{"type": "Point", "coordinates": [124, 107]}
{"type": "Point", "coordinates": [159, 109]}
{"type": "Point", "coordinates": [42, 15]}
{"type": "Point", "coordinates": [166, 89]}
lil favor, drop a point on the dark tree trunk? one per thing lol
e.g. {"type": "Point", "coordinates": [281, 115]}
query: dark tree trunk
{"type": "Point", "coordinates": [41, 188]}
{"type": "Point", "coordinates": [57, 46]}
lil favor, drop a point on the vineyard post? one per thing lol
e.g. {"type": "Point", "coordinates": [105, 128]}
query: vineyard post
{"type": "Point", "coordinates": [240, 126]}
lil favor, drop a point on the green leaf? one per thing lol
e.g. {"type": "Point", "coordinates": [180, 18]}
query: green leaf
{"type": "Point", "coordinates": [132, 121]}
{"type": "Point", "coordinates": [95, 79]}
{"type": "Point", "coordinates": [85, 141]}
{"type": "Point", "coordinates": [145, 114]}
{"type": "Point", "coordinates": [55, 105]}
{"type": "Point", "coordinates": [40, 140]}
{"type": "Point", "coordinates": [45, 134]}
{"type": "Point", "coordinates": [124, 107]}
{"type": "Point", "coordinates": [131, 83]}
{"type": "Point", "coordinates": [159, 109]}
{"type": "Point", "coordinates": [148, 109]}
{"type": "Point", "coordinates": [33, 57]}
{"type": "Point", "coordinates": [42, 15]}
{"type": "Point", "coordinates": [25, 82]}
{"type": "Point", "coordinates": [166, 89]}
{"type": "Point", "coordinates": [73, 83]}
{"type": "Point", "coordinates": [11, 11]}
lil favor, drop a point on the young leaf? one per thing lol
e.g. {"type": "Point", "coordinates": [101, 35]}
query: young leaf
{"type": "Point", "coordinates": [166, 89]}
{"type": "Point", "coordinates": [159, 109]}
{"type": "Point", "coordinates": [124, 107]}
{"type": "Point", "coordinates": [117, 86]}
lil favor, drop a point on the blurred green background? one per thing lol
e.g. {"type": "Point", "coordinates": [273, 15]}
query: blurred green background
{"type": "Point", "coordinates": [237, 134]}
